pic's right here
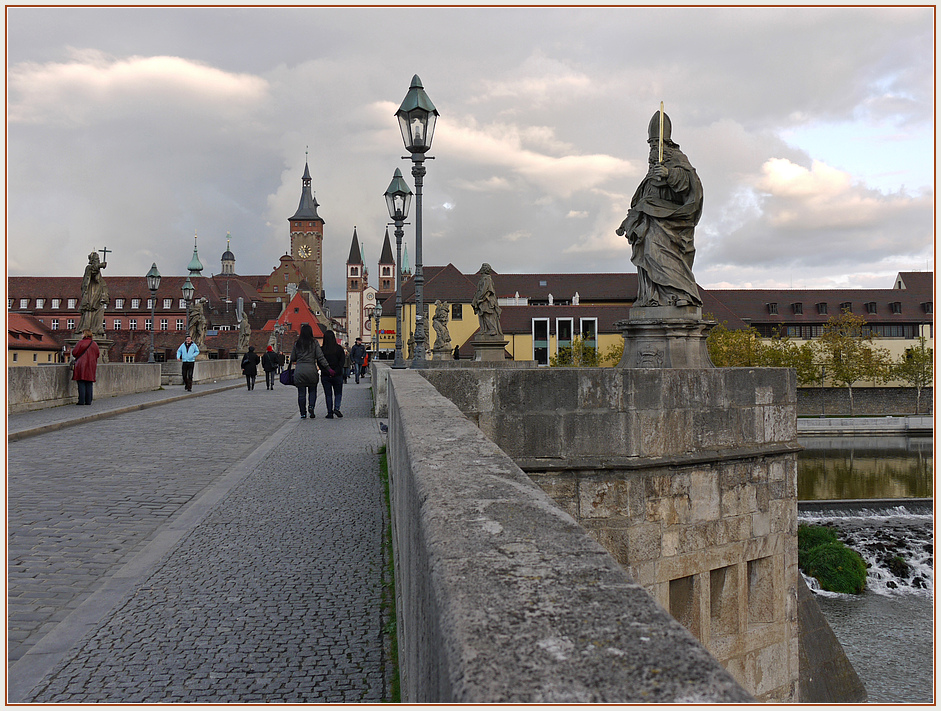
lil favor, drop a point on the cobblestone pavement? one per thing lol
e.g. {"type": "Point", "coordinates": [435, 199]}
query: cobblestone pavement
{"type": "Point", "coordinates": [270, 591]}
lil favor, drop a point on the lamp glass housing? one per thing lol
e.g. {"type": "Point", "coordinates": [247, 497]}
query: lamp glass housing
{"type": "Point", "coordinates": [188, 290]}
{"type": "Point", "coordinates": [153, 278]}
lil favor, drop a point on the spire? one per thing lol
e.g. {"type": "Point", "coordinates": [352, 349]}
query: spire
{"type": "Point", "coordinates": [386, 256]}
{"type": "Point", "coordinates": [195, 266]}
{"type": "Point", "coordinates": [307, 208]}
{"type": "Point", "coordinates": [356, 256]}
{"type": "Point", "coordinates": [406, 270]}
{"type": "Point", "coordinates": [228, 259]}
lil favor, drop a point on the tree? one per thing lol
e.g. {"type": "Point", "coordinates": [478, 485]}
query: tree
{"type": "Point", "coordinates": [782, 352]}
{"type": "Point", "coordinates": [738, 348]}
{"type": "Point", "coordinates": [916, 368]}
{"type": "Point", "coordinates": [613, 354]}
{"type": "Point", "coordinates": [847, 352]}
{"type": "Point", "coordinates": [579, 355]}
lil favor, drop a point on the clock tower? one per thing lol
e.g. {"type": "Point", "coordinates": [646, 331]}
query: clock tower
{"type": "Point", "coordinates": [307, 237]}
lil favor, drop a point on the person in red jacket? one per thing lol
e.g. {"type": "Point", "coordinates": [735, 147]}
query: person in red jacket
{"type": "Point", "coordinates": [86, 364]}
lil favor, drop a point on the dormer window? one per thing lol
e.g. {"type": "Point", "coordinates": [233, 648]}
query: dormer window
{"type": "Point", "coordinates": [40, 303]}
{"type": "Point", "coordinates": [847, 307]}
{"type": "Point", "coordinates": [797, 307]}
{"type": "Point", "coordinates": [119, 303]}
{"type": "Point", "coordinates": [928, 306]}
{"type": "Point", "coordinates": [896, 307]}
{"type": "Point", "coordinates": [870, 307]}
{"type": "Point", "coordinates": [822, 308]}
{"type": "Point", "coordinates": [773, 308]}
{"type": "Point", "coordinates": [24, 303]}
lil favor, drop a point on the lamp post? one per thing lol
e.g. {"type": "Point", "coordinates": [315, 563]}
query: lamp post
{"type": "Point", "coordinates": [188, 292]}
{"type": "Point", "coordinates": [417, 116]}
{"type": "Point", "coordinates": [398, 198]}
{"type": "Point", "coordinates": [153, 283]}
{"type": "Point", "coordinates": [376, 314]}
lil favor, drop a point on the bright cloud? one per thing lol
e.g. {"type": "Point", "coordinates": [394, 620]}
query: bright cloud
{"type": "Point", "coordinates": [78, 90]}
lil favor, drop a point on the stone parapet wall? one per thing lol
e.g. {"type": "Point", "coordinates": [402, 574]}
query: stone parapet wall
{"type": "Point", "coordinates": [689, 479]}
{"type": "Point", "coordinates": [616, 415]}
{"type": "Point", "coordinates": [502, 597]}
{"type": "Point", "coordinates": [866, 401]}
{"type": "Point", "coordinates": [38, 387]}
{"type": "Point", "coordinates": [206, 371]}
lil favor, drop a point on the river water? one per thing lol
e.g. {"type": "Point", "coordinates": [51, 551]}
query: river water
{"type": "Point", "coordinates": [888, 631]}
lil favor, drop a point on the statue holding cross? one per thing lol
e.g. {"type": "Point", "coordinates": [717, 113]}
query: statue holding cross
{"type": "Point", "coordinates": [94, 297]}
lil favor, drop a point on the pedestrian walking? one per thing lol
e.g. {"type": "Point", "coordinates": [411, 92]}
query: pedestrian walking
{"type": "Point", "coordinates": [269, 363]}
{"type": "Point", "coordinates": [306, 356]}
{"type": "Point", "coordinates": [250, 367]}
{"type": "Point", "coordinates": [347, 364]}
{"type": "Point", "coordinates": [358, 355]}
{"type": "Point", "coordinates": [187, 353]}
{"type": "Point", "coordinates": [333, 380]}
{"type": "Point", "coordinates": [85, 367]}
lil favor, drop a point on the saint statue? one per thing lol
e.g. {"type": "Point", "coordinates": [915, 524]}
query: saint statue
{"type": "Point", "coordinates": [485, 304]}
{"type": "Point", "coordinates": [198, 326]}
{"type": "Point", "coordinates": [440, 324]}
{"type": "Point", "coordinates": [664, 213]}
{"type": "Point", "coordinates": [245, 334]}
{"type": "Point", "coordinates": [94, 298]}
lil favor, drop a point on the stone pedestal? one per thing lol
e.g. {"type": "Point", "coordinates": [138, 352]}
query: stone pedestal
{"type": "Point", "coordinates": [665, 337]}
{"type": "Point", "coordinates": [490, 348]}
{"type": "Point", "coordinates": [104, 345]}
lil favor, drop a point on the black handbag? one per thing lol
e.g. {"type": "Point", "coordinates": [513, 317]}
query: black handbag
{"type": "Point", "coordinates": [287, 377]}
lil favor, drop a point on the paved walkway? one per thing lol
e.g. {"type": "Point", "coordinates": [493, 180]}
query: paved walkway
{"type": "Point", "coordinates": [214, 549]}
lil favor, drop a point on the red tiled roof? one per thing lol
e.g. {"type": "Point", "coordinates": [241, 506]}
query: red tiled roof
{"type": "Point", "coordinates": [26, 332]}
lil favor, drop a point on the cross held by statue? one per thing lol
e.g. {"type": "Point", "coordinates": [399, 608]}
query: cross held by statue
{"type": "Point", "coordinates": [104, 253]}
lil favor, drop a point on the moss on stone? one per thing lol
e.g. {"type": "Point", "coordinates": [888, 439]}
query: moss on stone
{"type": "Point", "coordinates": [836, 567]}
{"type": "Point", "coordinates": [809, 537]}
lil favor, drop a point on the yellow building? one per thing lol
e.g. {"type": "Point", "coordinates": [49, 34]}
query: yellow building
{"type": "Point", "coordinates": [29, 342]}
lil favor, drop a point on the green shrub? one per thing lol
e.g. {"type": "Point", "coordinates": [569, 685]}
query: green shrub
{"type": "Point", "coordinates": [809, 537]}
{"type": "Point", "coordinates": [836, 567]}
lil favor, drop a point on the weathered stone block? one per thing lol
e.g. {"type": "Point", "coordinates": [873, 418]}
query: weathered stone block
{"type": "Point", "coordinates": [521, 435]}
{"type": "Point", "coordinates": [602, 499]}
{"type": "Point", "coordinates": [704, 496]}
{"type": "Point", "coordinates": [598, 390]}
{"type": "Point", "coordinates": [536, 391]}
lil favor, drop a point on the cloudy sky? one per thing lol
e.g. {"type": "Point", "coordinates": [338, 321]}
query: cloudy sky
{"type": "Point", "coordinates": [134, 129]}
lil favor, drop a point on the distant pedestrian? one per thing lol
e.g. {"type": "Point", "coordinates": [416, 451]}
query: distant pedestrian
{"type": "Point", "coordinates": [85, 367]}
{"type": "Point", "coordinates": [250, 367]}
{"type": "Point", "coordinates": [333, 380]}
{"type": "Point", "coordinates": [358, 355]}
{"type": "Point", "coordinates": [187, 353]}
{"type": "Point", "coordinates": [306, 356]}
{"type": "Point", "coordinates": [347, 364]}
{"type": "Point", "coordinates": [457, 352]}
{"type": "Point", "coordinates": [269, 363]}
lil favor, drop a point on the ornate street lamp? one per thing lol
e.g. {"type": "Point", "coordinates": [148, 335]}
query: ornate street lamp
{"type": "Point", "coordinates": [188, 292]}
{"type": "Point", "coordinates": [398, 200]}
{"type": "Point", "coordinates": [417, 117]}
{"type": "Point", "coordinates": [153, 283]}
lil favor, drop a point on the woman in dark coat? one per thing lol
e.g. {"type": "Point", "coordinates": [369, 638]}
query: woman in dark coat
{"type": "Point", "coordinates": [250, 367]}
{"type": "Point", "coordinates": [86, 365]}
{"type": "Point", "coordinates": [333, 379]}
{"type": "Point", "coordinates": [306, 356]}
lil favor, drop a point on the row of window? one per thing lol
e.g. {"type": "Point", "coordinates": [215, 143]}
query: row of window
{"type": "Point", "coordinates": [72, 303]}
{"type": "Point", "coordinates": [892, 330]}
{"type": "Point", "coordinates": [117, 324]}
{"type": "Point", "coordinates": [564, 330]}
{"type": "Point", "coordinates": [895, 307]}
{"type": "Point", "coordinates": [50, 357]}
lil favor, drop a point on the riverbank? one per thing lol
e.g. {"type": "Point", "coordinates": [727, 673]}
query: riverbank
{"type": "Point", "coordinates": [911, 425]}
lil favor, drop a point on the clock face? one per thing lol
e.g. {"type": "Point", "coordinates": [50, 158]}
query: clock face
{"type": "Point", "coordinates": [303, 251]}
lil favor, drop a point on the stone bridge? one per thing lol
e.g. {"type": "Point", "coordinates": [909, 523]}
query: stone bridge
{"type": "Point", "coordinates": [546, 522]}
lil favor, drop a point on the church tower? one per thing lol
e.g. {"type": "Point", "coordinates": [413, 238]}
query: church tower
{"type": "Point", "coordinates": [307, 237]}
{"type": "Point", "coordinates": [228, 259]}
{"type": "Point", "coordinates": [356, 282]}
{"type": "Point", "coordinates": [386, 269]}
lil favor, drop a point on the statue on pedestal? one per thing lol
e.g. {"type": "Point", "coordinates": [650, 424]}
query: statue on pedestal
{"type": "Point", "coordinates": [440, 323]}
{"type": "Point", "coordinates": [198, 324]}
{"type": "Point", "coordinates": [245, 334]}
{"type": "Point", "coordinates": [94, 298]}
{"type": "Point", "coordinates": [664, 212]}
{"type": "Point", "coordinates": [485, 304]}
